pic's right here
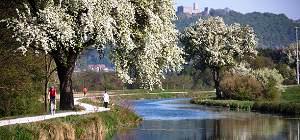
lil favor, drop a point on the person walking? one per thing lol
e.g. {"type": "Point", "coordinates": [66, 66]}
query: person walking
{"type": "Point", "coordinates": [85, 90]}
{"type": "Point", "coordinates": [105, 99]}
{"type": "Point", "coordinates": [52, 95]}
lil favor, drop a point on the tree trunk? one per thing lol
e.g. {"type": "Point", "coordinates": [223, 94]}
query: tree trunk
{"type": "Point", "coordinates": [65, 64]}
{"type": "Point", "coordinates": [46, 85]}
{"type": "Point", "coordinates": [66, 92]}
{"type": "Point", "coordinates": [216, 77]}
{"type": "Point", "coordinates": [46, 95]}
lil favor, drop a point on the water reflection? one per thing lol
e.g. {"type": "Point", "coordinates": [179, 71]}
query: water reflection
{"type": "Point", "coordinates": [178, 120]}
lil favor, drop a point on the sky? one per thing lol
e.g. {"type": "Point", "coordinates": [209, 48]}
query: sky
{"type": "Point", "coordinates": [291, 8]}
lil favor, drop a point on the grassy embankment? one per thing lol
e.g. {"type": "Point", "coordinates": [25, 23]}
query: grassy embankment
{"type": "Point", "coordinates": [138, 94]}
{"type": "Point", "coordinates": [155, 94]}
{"type": "Point", "coordinates": [121, 96]}
{"type": "Point", "coordinates": [92, 126]}
{"type": "Point", "coordinates": [288, 104]}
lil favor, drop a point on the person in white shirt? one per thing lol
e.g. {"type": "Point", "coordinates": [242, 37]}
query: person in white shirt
{"type": "Point", "coordinates": [105, 99]}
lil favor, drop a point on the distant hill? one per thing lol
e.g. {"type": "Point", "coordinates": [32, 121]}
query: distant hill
{"type": "Point", "coordinates": [272, 30]}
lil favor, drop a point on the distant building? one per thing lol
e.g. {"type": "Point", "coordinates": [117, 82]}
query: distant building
{"type": "Point", "coordinates": [205, 12]}
{"type": "Point", "coordinates": [99, 67]}
{"type": "Point", "coordinates": [195, 9]}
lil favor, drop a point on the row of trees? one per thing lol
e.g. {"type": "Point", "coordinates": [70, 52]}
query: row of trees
{"type": "Point", "coordinates": [141, 37]}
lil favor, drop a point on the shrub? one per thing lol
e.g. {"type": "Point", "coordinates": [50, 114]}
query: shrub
{"type": "Point", "coordinates": [287, 73]}
{"type": "Point", "coordinates": [21, 83]}
{"type": "Point", "coordinates": [271, 81]}
{"type": "Point", "coordinates": [96, 81]}
{"type": "Point", "coordinates": [20, 103]}
{"type": "Point", "coordinates": [241, 87]}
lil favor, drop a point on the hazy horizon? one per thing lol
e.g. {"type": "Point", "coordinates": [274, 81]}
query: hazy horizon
{"type": "Point", "coordinates": [291, 8]}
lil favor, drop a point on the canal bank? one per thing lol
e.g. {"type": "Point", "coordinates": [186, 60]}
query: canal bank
{"type": "Point", "coordinates": [288, 104]}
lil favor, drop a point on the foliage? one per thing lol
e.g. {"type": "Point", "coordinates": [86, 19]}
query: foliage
{"type": "Point", "coordinates": [287, 73]}
{"type": "Point", "coordinates": [213, 44]}
{"type": "Point", "coordinates": [174, 81]}
{"type": "Point", "coordinates": [271, 81]}
{"type": "Point", "coordinates": [21, 80]}
{"type": "Point", "coordinates": [155, 45]}
{"type": "Point", "coordinates": [201, 77]}
{"type": "Point", "coordinates": [18, 132]}
{"type": "Point", "coordinates": [143, 37]}
{"type": "Point", "coordinates": [216, 44]}
{"type": "Point", "coordinates": [261, 62]}
{"type": "Point", "coordinates": [253, 85]}
{"type": "Point", "coordinates": [291, 53]}
{"type": "Point", "coordinates": [279, 58]}
{"type": "Point", "coordinates": [277, 55]}
{"type": "Point", "coordinates": [20, 84]}
{"type": "Point", "coordinates": [241, 87]}
{"type": "Point", "coordinates": [96, 81]}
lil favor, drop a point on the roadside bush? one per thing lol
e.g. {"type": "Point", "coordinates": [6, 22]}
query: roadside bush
{"type": "Point", "coordinates": [287, 73]}
{"type": "Point", "coordinates": [13, 103]}
{"type": "Point", "coordinates": [96, 81]}
{"type": "Point", "coordinates": [241, 87]}
{"type": "Point", "coordinates": [271, 81]}
{"type": "Point", "coordinates": [21, 83]}
{"type": "Point", "coordinates": [258, 84]}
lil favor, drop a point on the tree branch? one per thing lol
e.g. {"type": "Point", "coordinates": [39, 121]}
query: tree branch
{"type": "Point", "coordinates": [33, 6]}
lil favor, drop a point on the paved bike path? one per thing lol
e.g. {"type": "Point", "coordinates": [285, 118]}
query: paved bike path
{"type": "Point", "coordinates": [88, 109]}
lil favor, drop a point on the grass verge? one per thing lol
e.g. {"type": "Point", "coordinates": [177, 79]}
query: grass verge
{"type": "Point", "coordinates": [232, 104]}
{"type": "Point", "coordinates": [289, 104]}
{"type": "Point", "coordinates": [92, 126]}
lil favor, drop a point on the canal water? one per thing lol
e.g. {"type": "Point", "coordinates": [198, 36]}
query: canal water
{"type": "Point", "coordinates": [177, 119]}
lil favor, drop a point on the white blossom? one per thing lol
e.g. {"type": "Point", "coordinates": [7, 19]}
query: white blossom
{"type": "Point", "coordinates": [143, 48]}
{"type": "Point", "coordinates": [216, 44]}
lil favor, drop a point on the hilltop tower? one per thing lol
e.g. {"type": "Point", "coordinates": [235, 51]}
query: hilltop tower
{"type": "Point", "coordinates": [195, 9]}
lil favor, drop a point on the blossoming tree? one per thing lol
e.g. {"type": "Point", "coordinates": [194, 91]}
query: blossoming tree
{"type": "Point", "coordinates": [216, 45]}
{"type": "Point", "coordinates": [141, 35]}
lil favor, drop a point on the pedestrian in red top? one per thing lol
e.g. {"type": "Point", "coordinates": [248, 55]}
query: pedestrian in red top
{"type": "Point", "coordinates": [85, 91]}
{"type": "Point", "coordinates": [52, 94]}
